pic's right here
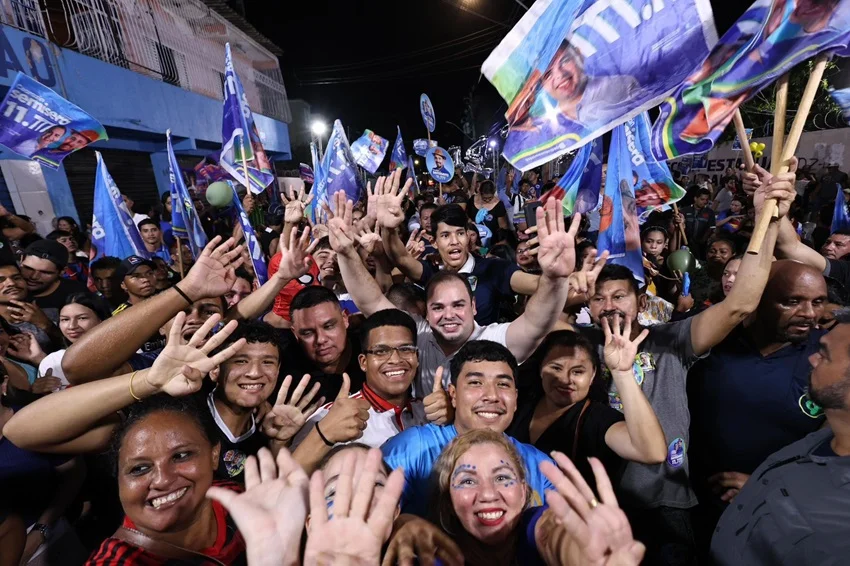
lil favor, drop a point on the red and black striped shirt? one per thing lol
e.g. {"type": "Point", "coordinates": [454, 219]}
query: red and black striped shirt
{"type": "Point", "coordinates": [229, 546]}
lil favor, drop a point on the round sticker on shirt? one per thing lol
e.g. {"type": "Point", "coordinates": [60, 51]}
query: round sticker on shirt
{"type": "Point", "coordinates": [676, 453]}
{"type": "Point", "coordinates": [234, 462]}
{"type": "Point", "coordinates": [809, 407]}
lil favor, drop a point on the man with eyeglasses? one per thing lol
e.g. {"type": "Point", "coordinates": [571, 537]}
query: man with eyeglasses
{"type": "Point", "coordinates": [383, 407]}
{"type": "Point", "coordinates": [41, 267]}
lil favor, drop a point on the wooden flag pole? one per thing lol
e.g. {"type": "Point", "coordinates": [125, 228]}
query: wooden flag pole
{"type": "Point", "coordinates": [681, 228]}
{"type": "Point", "coordinates": [742, 139]}
{"type": "Point", "coordinates": [779, 124]}
{"type": "Point", "coordinates": [790, 147]}
{"type": "Point", "coordinates": [179, 255]}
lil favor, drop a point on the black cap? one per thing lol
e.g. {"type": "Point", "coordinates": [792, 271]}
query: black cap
{"type": "Point", "coordinates": [50, 250]}
{"type": "Point", "coordinates": [131, 264]}
{"type": "Point", "coordinates": [274, 215]}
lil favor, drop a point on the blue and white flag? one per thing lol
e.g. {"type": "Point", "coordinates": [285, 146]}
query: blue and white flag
{"type": "Point", "coordinates": [113, 231]}
{"type": "Point", "coordinates": [339, 170]}
{"type": "Point", "coordinates": [841, 216]}
{"type": "Point", "coordinates": [241, 144]}
{"type": "Point", "coordinates": [369, 151]}
{"type": "Point", "coordinates": [583, 180]}
{"type": "Point", "coordinates": [185, 223]}
{"type": "Point", "coordinates": [254, 247]}
{"type": "Point", "coordinates": [619, 230]}
{"type": "Point", "coordinates": [37, 123]}
{"type": "Point", "coordinates": [319, 186]}
{"type": "Point", "coordinates": [398, 159]}
{"type": "Point", "coordinates": [653, 184]}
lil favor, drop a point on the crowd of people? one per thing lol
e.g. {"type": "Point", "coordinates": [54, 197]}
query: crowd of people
{"type": "Point", "coordinates": [453, 376]}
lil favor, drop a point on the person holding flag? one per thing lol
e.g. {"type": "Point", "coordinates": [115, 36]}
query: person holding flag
{"type": "Point", "coordinates": [185, 224]}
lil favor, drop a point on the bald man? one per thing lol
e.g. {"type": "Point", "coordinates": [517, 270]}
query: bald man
{"type": "Point", "coordinates": [749, 397]}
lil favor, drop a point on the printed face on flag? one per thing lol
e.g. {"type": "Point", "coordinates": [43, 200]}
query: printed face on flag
{"type": "Point", "coordinates": [37, 123]}
{"type": "Point", "coordinates": [572, 69]}
{"type": "Point", "coordinates": [369, 151]}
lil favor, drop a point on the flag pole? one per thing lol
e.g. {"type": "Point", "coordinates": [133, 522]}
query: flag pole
{"type": "Point", "coordinates": [742, 139]}
{"type": "Point", "coordinates": [779, 124]}
{"type": "Point", "coordinates": [681, 228]}
{"type": "Point", "coordinates": [788, 150]}
{"type": "Point", "coordinates": [179, 255]}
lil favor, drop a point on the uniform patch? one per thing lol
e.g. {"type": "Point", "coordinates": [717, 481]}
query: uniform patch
{"type": "Point", "coordinates": [234, 462]}
{"type": "Point", "coordinates": [676, 453]}
{"type": "Point", "coordinates": [809, 407]}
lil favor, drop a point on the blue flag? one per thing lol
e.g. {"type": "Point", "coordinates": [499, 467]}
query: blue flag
{"type": "Point", "coordinates": [37, 123]}
{"type": "Point", "coordinates": [411, 174]}
{"type": "Point", "coordinates": [254, 247]}
{"type": "Point", "coordinates": [771, 38]}
{"type": "Point", "coordinates": [339, 170]}
{"type": "Point", "coordinates": [841, 216]}
{"type": "Point", "coordinates": [841, 97]}
{"type": "Point", "coordinates": [571, 70]}
{"type": "Point", "coordinates": [369, 151]}
{"type": "Point", "coordinates": [619, 231]}
{"type": "Point", "coordinates": [398, 159]}
{"type": "Point", "coordinates": [241, 144]}
{"type": "Point", "coordinates": [654, 188]}
{"type": "Point", "coordinates": [319, 186]}
{"type": "Point", "coordinates": [113, 231]}
{"type": "Point", "coordinates": [185, 223]}
{"type": "Point", "coordinates": [583, 180]}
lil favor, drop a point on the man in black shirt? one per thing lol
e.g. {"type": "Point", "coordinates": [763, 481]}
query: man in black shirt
{"type": "Point", "coordinates": [274, 227]}
{"type": "Point", "coordinates": [137, 279]}
{"type": "Point", "coordinates": [322, 344]}
{"type": "Point", "coordinates": [43, 262]}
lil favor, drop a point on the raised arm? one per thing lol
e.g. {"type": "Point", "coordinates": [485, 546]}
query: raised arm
{"type": "Point", "coordinates": [712, 325]}
{"type": "Point", "coordinates": [390, 216]}
{"type": "Point", "coordinates": [81, 419]}
{"type": "Point", "coordinates": [104, 349]}
{"type": "Point", "coordinates": [364, 290]}
{"type": "Point", "coordinates": [18, 227]}
{"type": "Point", "coordinates": [556, 255]}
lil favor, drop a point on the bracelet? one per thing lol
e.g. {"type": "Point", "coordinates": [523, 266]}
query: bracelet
{"type": "Point", "coordinates": [323, 437]}
{"type": "Point", "coordinates": [133, 395]}
{"type": "Point", "coordinates": [184, 295]}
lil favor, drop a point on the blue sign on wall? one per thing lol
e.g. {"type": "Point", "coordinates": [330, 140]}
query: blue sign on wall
{"type": "Point", "coordinates": [28, 54]}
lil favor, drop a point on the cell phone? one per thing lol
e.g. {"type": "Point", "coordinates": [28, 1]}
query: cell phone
{"type": "Point", "coordinates": [531, 213]}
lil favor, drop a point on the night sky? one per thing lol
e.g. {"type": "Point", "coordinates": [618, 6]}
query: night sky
{"type": "Point", "coordinates": [367, 61]}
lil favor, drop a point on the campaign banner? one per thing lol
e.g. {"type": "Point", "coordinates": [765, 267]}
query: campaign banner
{"type": "Point", "coordinates": [369, 150]}
{"type": "Point", "coordinates": [37, 123]}
{"type": "Point", "coordinates": [427, 111]}
{"type": "Point", "coordinates": [439, 164]}
{"type": "Point", "coordinates": [583, 180]}
{"type": "Point", "coordinates": [736, 143]}
{"type": "Point", "coordinates": [208, 171]}
{"type": "Point", "coordinates": [113, 232]}
{"type": "Point", "coordinates": [241, 144]}
{"type": "Point", "coordinates": [306, 173]}
{"type": "Point", "coordinates": [619, 230]}
{"type": "Point", "coordinates": [771, 38]}
{"type": "Point", "coordinates": [185, 223]}
{"type": "Point", "coordinates": [653, 184]}
{"type": "Point", "coordinates": [398, 159]}
{"type": "Point", "coordinates": [339, 170]}
{"type": "Point", "coordinates": [254, 248]}
{"type": "Point", "coordinates": [571, 70]}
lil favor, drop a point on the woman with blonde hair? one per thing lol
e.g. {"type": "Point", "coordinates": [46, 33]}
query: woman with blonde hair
{"type": "Point", "coordinates": [483, 502]}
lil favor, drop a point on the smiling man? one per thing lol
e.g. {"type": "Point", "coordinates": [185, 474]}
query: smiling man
{"type": "Point", "coordinates": [484, 395]}
{"type": "Point", "coordinates": [384, 406]}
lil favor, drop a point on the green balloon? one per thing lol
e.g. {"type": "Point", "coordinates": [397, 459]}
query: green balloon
{"type": "Point", "coordinates": [219, 194]}
{"type": "Point", "coordinates": [681, 260]}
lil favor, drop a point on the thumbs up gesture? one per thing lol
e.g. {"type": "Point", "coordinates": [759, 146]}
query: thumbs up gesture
{"type": "Point", "coordinates": [347, 417]}
{"type": "Point", "coordinates": [438, 406]}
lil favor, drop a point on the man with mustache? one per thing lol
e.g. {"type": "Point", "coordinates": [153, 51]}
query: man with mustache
{"type": "Point", "coordinates": [748, 398]}
{"type": "Point", "coordinates": [658, 498]}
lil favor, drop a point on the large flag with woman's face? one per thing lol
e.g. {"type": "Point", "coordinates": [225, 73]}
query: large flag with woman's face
{"type": "Point", "coordinates": [771, 38]}
{"type": "Point", "coordinates": [571, 70]}
{"type": "Point", "coordinates": [241, 144]}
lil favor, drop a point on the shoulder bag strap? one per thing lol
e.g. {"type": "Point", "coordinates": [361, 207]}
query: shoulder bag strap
{"type": "Point", "coordinates": [578, 429]}
{"type": "Point", "coordinates": [161, 548]}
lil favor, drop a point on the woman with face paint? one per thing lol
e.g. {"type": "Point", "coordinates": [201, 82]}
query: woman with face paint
{"type": "Point", "coordinates": [484, 504]}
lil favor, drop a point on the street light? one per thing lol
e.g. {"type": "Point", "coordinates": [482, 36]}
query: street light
{"type": "Point", "coordinates": [319, 128]}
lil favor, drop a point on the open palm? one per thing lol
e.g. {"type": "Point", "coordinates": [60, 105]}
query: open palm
{"type": "Point", "coordinates": [390, 199]}
{"type": "Point", "coordinates": [213, 273]}
{"type": "Point", "coordinates": [619, 350]}
{"type": "Point", "coordinates": [556, 253]}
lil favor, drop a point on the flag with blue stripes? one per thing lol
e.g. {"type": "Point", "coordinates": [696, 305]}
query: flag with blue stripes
{"type": "Point", "coordinates": [398, 159]}
{"type": "Point", "coordinates": [254, 248]}
{"type": "Point", "coordinates": [185, 223]}
{"type": "Point", "coordinates": [113, 231]}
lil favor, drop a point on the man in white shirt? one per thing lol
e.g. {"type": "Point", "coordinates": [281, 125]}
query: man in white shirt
{"type": "Point", "coordinates": [383, 407]}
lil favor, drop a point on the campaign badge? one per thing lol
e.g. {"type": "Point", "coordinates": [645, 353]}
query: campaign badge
{"type": "Point", "coordinates": [676, 453]}
{"type": "Point", "coordinates": [473, 282]}
{"type": "Point", "coordinates": [809, 407]}
{"type": "Point", "coordinates": [645, 361]}
{"type": "Point", "coordinates": [427, 111]}
{"type": "Point", "coordinates": [234, 462]}
{"type": "Point", "coordinates": [440, 164]}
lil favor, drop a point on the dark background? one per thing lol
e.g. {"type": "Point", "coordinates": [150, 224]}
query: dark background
{"type": "Point", "coordinates": [367, 61]}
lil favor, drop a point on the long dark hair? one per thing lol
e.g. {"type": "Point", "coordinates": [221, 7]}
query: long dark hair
{"type": "Point", "coordinates": [531, 370]}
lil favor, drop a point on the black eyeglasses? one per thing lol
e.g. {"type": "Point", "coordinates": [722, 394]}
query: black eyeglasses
{"type": "Point", "coordinates": [385, 352]}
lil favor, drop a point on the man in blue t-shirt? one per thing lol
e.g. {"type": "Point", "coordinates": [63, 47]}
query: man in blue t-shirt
{"type": "Point", "coordinates": [484, 395]}
{"type": "Point", "coordinates": [490, 279]}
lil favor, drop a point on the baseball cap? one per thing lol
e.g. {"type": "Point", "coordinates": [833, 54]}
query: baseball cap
{"type": "Point", "coordinates": [49, 250]}
{"type": "Point", "coordinates": [274, 215]}
{"type": "Point", "coordinates": [131, 264]}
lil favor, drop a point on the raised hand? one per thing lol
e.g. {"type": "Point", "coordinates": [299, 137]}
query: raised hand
{"type": "Point", "coordinates": [599, 530]}
{"type": "Point", "coordinates": [584, 282]}
{"type": "Point", "coordinates": [390, 211]}
{"type": "Point", "coordinates": [370, 240]}
{"type": "Point", "coordinates": [358, 529]}
{"type": "Point", "coordinates": [248, 203]}
{"type": "Point", "coordinates": [214, 271]}
{"type": "Point", "coordinates": [372, 200]}
{"type": "Point", "coordinates": [180, 369]}
{"type": "Point", "coordinates": [556, 253]}
{"type": "Point", "coordinates": [47, 383]}
{"type": "Point", "coordinates": [619, 349]}
{"type": "Point", "coordinates": [347, 417]}
{"type": "Point", "coordinates": [294, 255]}
{"type": "Point", "coordinates": [285, 419]}
{"type": "Point", "coordinates": [20, 311]}
{"type": "Point", "coordinates": [25, 347]}
{"type": "Point", "coordinates": [415, 246]}
{"type": "Point", "coordinates": [438, 406]}
{"type": "Point", "coordinates": [295, 204]}
{"type": "Point", "coordinates": [340, 226]}
{"type": "Point", "coordinates": [779, 187]}
{"type": "Point", "coordinates": [271, 512]}
{"type": "Point", "coordinates": [415, 538]}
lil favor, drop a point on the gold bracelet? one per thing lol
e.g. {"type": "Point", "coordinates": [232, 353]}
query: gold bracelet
{"type": "Point", "coordinates": [132, 375]}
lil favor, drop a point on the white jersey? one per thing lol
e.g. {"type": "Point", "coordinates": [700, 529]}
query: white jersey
{"type": "Point", "coordinates": [385, 419]}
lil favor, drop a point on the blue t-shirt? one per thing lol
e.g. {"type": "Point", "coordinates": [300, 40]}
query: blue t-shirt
{"type": "Point", "coordinates": [490, 280]}
{"type": "Point", "coordinates": [416, 450]}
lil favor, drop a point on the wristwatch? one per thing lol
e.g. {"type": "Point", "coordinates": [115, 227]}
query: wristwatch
{"type": "Point", "coordinates": [42, 528]}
